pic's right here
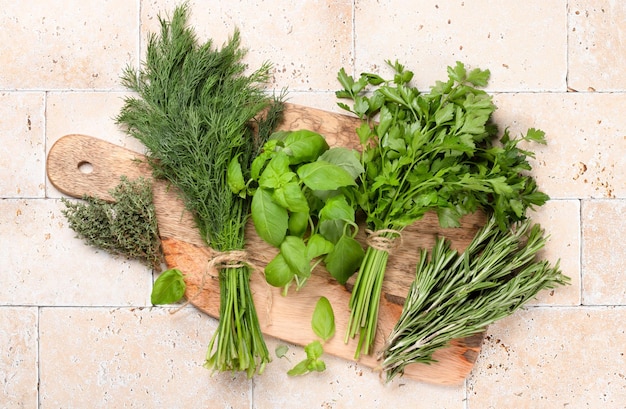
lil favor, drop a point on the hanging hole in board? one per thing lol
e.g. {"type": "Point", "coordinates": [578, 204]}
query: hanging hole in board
{"type": "Point", "coordinates": [85, 167]}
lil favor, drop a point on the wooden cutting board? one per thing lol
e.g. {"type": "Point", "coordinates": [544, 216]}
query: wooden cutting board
{"type": "Point", "coordinates": [80, 165]}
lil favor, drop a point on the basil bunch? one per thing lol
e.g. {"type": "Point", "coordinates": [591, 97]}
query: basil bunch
{"type": "Point", "coordinates": [302, 203]}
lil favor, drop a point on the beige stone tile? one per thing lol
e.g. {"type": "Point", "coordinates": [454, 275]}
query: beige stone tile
{"type": "Point", "coordinates": [523, 44]}
{"type": "Point", "coordinates": [49, 266]}
{"type": "Point", "coordinates": [343, 384]}
{"type": "Point", "coordinates": [18, 359]}
{"type": "Point", "coordinates": [561, 222]}
{"type": "Point", "coordinates": [70, 44]}
{"type": "Point", "coordinates": [585, 154]}
{"type": "Point", "coordinates": [595, 45]}
{"type": "Point", "coordinates": [22, 134]}
{"type": "Point", "coordinates": [604, 247]}
{"type": "Point", "coordinates": [87, 113]}
{"type": "Point", "coordinates": [552, 358]}
{"type": "Point", "coordinates": [147, 358]}
{"type": "Point", "coordinates": [307, 42]}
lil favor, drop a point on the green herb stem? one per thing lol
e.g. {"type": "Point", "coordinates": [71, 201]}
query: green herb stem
{"type": "Point", "coordinates": [365, 299]}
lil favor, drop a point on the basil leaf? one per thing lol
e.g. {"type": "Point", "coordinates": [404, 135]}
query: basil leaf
{"type": "Point", "coordinates": [318, 365]}
{"type": "Point", "coordinates": [234, 177]}
{"type": "Point", "coordinates": [337, 208]}
{"type": "Point", "coordinates": [314, 350]}
{"type": "Point", "coordinates": [304, 146]}
{"type": "Point", "coordinates": [290, 197]}
{"type": "Point", "coordinates": [298, 223]}
{"type": "Point", "coordinates": [333, 216]}
{"type": "Point", "coordinates": [301, 368]}
{"type": "Point", "coordinates": [168, 288]}
{"type": "Point", "coordinates": [281, 351]}
{"type": "Point", "coordinates": [277, 272]}
{"type": "Point", "coordinates": [345, 158]}
{"type": "Point", "coordinates": [322, 175]}
{"type": "Point", "coordinates": [276, 173]}
{"type": "Point", "coordinates": [294, 251]}
{"type": "Point", "coordinates": [323, 321]}
{"type": "Point", "coordinates": [345, 259]}
{"type": "Point", "coordinates": [270, 220]}
{"type": "Point", "coordinates": [318, 246]}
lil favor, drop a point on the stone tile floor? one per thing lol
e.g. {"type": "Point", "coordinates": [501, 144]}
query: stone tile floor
{"type": "Point", "coordinates": [76, 326]}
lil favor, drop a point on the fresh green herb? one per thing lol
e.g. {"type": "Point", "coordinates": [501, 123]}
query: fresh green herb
{"type": "Point", "coordinates": [301, 205]}
{"type": "Point", "coordinates": [323, 321]}
{"type": "Point", "coordinates": [127, 226]}
{"type": "Point", "coordinates": [323, 324]}
{"type": "Point", "coordinates": [434, 151]}
{"type": "Point", "coordinates": [281, 351]}
{"type": "Point", "coordinates": [196, 112]}
{"type": "Point", "coordinates": [312, 363]}
{"type": "Point", "coordinates": [458, 295]}
{"type": "Point", "coordinates": [168, 288]}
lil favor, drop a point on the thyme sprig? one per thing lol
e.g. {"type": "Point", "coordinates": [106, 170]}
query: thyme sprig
{"type": "Point", "coordinates": [196, 109]}
{"type": "Point", "coordinates": [126, 226]}
{"type": "Point", "coordinates": [456, 295]}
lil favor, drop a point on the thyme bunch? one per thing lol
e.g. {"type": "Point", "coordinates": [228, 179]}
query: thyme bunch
{"type": "Point", "coordinates": [456, 295]}
{"type": "Point", "coordinates": [127, 226]}
{"type": "Point", "coordinates": [196, 109]}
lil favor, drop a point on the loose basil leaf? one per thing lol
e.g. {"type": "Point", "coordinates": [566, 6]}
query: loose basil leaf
{"type": "Point", "coordinates": [318, 246]}
{"type": "Point", "coordinates": [318, 365]}
{"type": "Point", "coordinates": [322, 175]}
{"type": "Point", "coordinates": [281, 351]}
{"type": "Point", "coordinates": [304, 146]}
{"type": "Point", "coordinates": [277, 272]}
{"type": "Point", "coordinates": [294, 252]}
{"type": "Point", "coordinates": [168, 288]}
{"type": "Point", "coordinates": [345, 259]}
{"type": "Point", "coordinates": [270, 220]}
{"type": "Point", "coordinates": [314, 350]}
{"type": "Point", "coordinates": [345, 158]}
{"type": "Point", "coordinates": [323, 321]}
{"type": "Point", "coordinates": [301, 368]}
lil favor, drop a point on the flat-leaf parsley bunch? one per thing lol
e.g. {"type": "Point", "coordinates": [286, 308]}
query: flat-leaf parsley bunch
{"type": "Point", "coordinates": [434, 151]}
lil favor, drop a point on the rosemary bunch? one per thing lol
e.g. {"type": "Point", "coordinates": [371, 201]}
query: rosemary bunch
{"type": "Point", "coordinates": [457, 295]}
{"type": "Point", "coordinates": [195, 111]}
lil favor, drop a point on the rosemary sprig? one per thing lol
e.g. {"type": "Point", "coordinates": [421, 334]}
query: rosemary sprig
{"type": "Point", "coordinates": [196, 110]}
{"type": "Point", "coordinates": [456, 295]}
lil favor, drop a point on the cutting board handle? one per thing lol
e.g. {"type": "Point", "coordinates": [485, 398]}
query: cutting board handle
{"type": "Point", "coordinates": [79, 165]}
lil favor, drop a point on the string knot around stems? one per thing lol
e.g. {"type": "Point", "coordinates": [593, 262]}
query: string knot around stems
{"type": "Point", "coordinates": [221, 261]}
{"type": "Point", "coordinates": [384, 239]}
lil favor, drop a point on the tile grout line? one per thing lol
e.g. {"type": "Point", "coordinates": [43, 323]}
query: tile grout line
{"type": "Point", "coordinates": [38, 325]}
{"type": "Point", "coordinates": [581, 247]}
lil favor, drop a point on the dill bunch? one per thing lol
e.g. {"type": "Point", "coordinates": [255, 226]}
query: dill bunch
{"type": "Point", "coordinates": [456, 295]}
{"type": "Point", "coordinates": [196, 109]}
{"type": "Point", "coordinates": [127, 226]}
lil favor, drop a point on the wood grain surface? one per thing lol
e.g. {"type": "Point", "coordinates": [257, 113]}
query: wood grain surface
{"type": "Point", "coordinates": [285, 317]}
